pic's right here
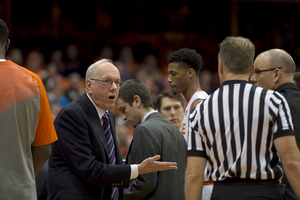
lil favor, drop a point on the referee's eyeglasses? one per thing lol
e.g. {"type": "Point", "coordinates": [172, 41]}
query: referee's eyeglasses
{"type": "Point", "coordinates": [257, 72]}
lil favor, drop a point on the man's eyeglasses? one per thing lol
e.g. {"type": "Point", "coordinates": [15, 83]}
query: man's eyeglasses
{"type": "Point", "coordinates": [108, 83]}
{"type": "Point", "coordinates": [257, 72]}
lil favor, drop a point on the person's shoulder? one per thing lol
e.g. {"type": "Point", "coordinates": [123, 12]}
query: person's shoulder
{"type": "Point", "coordinates": [73, 106]}
{"type": "Point", "coordinates": [17, 70]}
{"type": "Point", "coordinates": [142, 131]}
{"type": "Point", "coordinates": [153, 121]}
{"type": "Point", "coordinates": [200, 94]}
{"type": "Point", "coordinates": [273, 97]}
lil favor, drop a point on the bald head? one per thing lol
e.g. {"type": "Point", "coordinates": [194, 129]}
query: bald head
{"type": "Point", "coordinates": [273, 68]}
{"type": "Point", "coordinates": [278, 58]}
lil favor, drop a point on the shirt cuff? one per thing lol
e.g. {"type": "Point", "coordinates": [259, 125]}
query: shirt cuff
{"type": "Point", "coordinates": [134, 171]}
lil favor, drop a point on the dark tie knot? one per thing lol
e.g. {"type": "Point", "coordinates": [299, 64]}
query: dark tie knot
{"type": "Point", "coordinates": [105, 117]}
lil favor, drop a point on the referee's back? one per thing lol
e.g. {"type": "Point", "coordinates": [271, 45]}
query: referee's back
{"type": "Point", "coordinates": [239, 132]}
{"type": "Point", "coordinates": [238, 124]}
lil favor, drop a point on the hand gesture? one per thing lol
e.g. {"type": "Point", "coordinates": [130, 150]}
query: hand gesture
{"type": "Point", "coordinates": [152, 165]}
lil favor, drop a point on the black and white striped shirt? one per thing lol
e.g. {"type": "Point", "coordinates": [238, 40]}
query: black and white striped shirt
{"type": "Point", "coordinates": [235, 128]}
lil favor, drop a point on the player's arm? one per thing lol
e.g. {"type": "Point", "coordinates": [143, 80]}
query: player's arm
{"type": "Point", "coordinates": [290, 156]}
{"type": "Point", "coordinates": [194, 177]}
{"type": "Point", "coordinates": [195, 103]}
{"type": "Point", "coordinates": [40, 154]}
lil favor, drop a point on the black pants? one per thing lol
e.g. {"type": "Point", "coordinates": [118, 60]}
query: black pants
{"type": "Point", "coordinates": [241, 189]}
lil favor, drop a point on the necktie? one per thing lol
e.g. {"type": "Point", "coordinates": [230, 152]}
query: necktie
{"type": "Point", "coordinates": [111, 149]}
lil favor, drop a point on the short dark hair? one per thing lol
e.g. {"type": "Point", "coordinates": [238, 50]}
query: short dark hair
{"type": "Point", "coordinates": [3, 32]}
{"type": "Point", "coordinates": [297, 79]}
{"type": "Point", "coordinates": [187, 58]}
{"type": "Point", "coordinates": [135, 87]}
{"type": "Point", "coordinates": [170, 94]}
{"type": "Point", "coordinates": [237, 54]}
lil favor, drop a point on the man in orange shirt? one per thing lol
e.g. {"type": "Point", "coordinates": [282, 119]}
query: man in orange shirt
{"type": "Point", "coordinates": [26, 126]}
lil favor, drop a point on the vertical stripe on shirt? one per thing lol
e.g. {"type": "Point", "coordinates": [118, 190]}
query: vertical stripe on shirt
{"type": "Point", "coordinates": [235, 126]}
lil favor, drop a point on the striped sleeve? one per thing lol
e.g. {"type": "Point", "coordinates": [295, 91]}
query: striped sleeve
{"type": "Point", "coordinates": [280, 111]}
{"type": "Point", "coordinates": [196, 147]}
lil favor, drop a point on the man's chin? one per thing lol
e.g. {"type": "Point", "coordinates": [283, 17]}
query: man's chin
{"type": "Point", "coordinates": [110, 106]}
{"type": "Point", "coordinates": [176, 125]}
{"type": "Point", "coordinates": [175, 92]}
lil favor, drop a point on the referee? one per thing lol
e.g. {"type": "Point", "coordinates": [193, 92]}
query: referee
{"type": "Point", "coordinates": [238, 130]}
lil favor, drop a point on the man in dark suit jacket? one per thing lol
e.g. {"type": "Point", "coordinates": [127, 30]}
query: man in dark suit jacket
{"type": "Point", "coordinates": [80, 166]}
{"type": "Point", "coordinates": [152, 135]}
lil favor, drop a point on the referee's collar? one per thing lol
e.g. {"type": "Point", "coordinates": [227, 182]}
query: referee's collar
{"type": "Point", "coordinates": [233, 82]}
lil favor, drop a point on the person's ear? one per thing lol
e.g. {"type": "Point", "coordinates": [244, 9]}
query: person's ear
{"type": "Point", "coordinates": [190, 73]}
{"type": "Point", "coordinates": [220, 67]}
{"type": "Point", "coordinates": [88, 86]}
{"type": "Point", "coordinates": [7, 45]}
{"type": "Point", "coordinates": [137, 100]}
{"type": "Point", "coordinates": [220, 71]}
{"type": "Point", "coordinates": [277, 75]}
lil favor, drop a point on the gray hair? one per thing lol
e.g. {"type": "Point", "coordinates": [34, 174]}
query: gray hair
{"type": "Point", "coordinates": [92, 68]}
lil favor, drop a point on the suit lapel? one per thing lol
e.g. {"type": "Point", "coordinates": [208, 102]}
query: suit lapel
{"type": "Point", "coordinates": [98, 128]}
{"type": "Point", "coordinates": [93, 117]}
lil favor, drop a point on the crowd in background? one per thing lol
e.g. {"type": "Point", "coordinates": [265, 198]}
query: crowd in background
{"type": "Point", "coordinates": [63, 74]}
{"type": "Point", "coordinates": [64, 77]}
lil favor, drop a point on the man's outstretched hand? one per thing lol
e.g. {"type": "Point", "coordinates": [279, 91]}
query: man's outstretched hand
{"type": "Point", "coordinates": [152, 165]}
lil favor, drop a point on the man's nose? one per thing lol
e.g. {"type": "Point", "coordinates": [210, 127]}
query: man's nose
{"type": "Point", "coordinates": [114, 85]}
{"type": "Point", "coordinates": [172, 111]}
{"type": "Point", "coordinates": [169, 79]}
{"type": "Point", "coordinates": [124, 117]}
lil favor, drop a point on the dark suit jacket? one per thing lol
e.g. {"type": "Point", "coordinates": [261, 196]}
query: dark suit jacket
{"type": "Point", "coordinates": [79, 166]}
{"type": "Point", "coordinates": [292, 96]}
{"type": "Point", "coordinates": [157, 136]}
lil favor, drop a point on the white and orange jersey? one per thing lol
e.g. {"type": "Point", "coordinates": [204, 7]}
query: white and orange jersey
{"type": "Point", "coordinates": [199, 94]}
{"type": "Point", "coordinates": [25, 121]}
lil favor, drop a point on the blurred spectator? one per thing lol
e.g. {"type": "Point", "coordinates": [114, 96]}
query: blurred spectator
{"type": "Point", "coordinates": [206, 81]}
{"type": "Point", "coordinates": [125, 74]}
{"type": "Point", "coordinates": [35, 63]}
{"type": "Point", "coordinates": [124, 138]}
{"type": "Point", "coordinates": [76, 86]}
{"type": "Point", "coordinates": [106, 52]}
{"type": "Point", "coordinates": [57, 58]}
{"type": "Point", "coordinates": [73, 63]}
{"type": "Point", "coordinates": [15, 55]}
{"type": "Point", "coordinates": [150, 74]}
{"type": "Point", "coordinates": [127, 58]}
{"type": "Point", "coordinates": [52, 78]}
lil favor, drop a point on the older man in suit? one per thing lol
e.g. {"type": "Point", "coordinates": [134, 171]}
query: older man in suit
{"type": "Point", "coordinates": [153, 135]}
{"type": "Point", "coordinates": [85, 162]}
